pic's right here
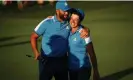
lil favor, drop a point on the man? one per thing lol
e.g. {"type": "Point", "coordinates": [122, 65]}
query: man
{"type": "Point", "coordinates": [79, 48]}
{"type": "Point", "coordinates": [54, 32]}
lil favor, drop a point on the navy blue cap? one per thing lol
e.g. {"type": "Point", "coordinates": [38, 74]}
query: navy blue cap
{"type": "Point", "coordinates": [62, 5]}
{"type": "Point", "coordinates": [81, 12]}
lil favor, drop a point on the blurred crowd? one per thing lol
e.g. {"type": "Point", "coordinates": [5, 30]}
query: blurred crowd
{"type": "Point", "coordinates": [24, 3]}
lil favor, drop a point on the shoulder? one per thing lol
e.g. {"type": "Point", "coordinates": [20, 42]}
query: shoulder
{"type": "Point", "coordinates": [86, 27]}
{"type": "Point", "coordinates": [48, 19]}
{"type": "Point", "coordinates": [45, 22]}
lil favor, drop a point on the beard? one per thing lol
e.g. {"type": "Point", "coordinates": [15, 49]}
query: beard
{"type": "Point", "coordinates": [63, 16]}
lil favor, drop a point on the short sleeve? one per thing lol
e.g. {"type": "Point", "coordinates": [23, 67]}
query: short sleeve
{"type": "Point", "coordinates": [41, 27]}
{"type": "Point", "coordinates": [87, 40]}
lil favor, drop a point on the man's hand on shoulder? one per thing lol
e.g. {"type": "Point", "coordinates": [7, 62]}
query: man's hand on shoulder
{"type": "Point", "coordinates": [85, 32]}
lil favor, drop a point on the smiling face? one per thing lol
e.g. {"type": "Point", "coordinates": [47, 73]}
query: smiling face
{"type": "Point", "coordinates": [74, 21]}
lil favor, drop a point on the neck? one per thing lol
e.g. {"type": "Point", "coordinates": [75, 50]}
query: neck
{"type": "Point", "coordinates": [59, 18]}
{"type": "Point", "coordinates": [74, 29]}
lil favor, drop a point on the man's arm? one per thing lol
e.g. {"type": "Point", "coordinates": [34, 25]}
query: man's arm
{"type": "Point", "coordinates": [33, 40]}
{"type": "Point", "coordinates": [93, 59]}
{"type": "Point", "coordinates": [38, 31]}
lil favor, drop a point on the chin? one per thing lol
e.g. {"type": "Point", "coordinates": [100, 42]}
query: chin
{"type": "Point", "coordinates": [65, 17]}
{"type": "Point", "coordinates": [72, 26]}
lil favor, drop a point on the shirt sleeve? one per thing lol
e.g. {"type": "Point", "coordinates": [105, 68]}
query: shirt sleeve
{"type": "Point", "coordinates": [87, 40]}
{"type": "Point", "coordinates": [41, 27]}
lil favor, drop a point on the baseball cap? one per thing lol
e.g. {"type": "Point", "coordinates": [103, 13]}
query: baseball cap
{"type": "Point", "coordinates": [62, 5]}
{"type": "Point", "coordinates": [81, 12]}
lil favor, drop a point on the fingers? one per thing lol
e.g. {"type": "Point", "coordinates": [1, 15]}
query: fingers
{"type": "Point", "coordinates": [83, 36]}
{"type": "Point", "coordinates": [37, 56]}
{"type": "Point", "coordinates": [84, 33]}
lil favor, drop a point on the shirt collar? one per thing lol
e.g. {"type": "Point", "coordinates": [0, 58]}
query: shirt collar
{"type": "Point", "coordinates": [79, 28]}
{"type": "Point", "coordinates": [55, 18]}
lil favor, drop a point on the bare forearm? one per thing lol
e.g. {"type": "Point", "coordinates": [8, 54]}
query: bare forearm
{"type": "Point", "coordinates": [93, 58]}
{"type": "Point", "coordinates": [34, 43]}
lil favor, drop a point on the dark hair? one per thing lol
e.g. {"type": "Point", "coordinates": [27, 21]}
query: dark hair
{"type": "Point", "coordinates": [74, 11]}
{"type": "Point", "coordinates": [80, 16]}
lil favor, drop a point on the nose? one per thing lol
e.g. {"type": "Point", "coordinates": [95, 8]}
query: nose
{"type": "Point", "coordinates": [66, 13]}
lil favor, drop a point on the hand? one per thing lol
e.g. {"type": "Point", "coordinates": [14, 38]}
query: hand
{"type": "Point", "coordinates": [96, 75]}
{"type": "Point", "coordinates": [84, 33]}
{"type": "Point", "coordinates": [37, 55]}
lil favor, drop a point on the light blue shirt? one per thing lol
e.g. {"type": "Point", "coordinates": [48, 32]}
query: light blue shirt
{"type": "Point", "coordinates": [78, 56]}
{"type": "Point", "coordinates": [54, 36]}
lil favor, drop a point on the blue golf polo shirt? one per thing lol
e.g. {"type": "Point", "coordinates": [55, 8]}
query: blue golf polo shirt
{"type": "Point", "coordinates": [78, 56]}
{"type": "Point", "coordinates": [54, 36]}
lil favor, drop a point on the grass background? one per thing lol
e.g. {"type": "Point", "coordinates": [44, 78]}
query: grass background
{"type": "Point", "coordinates": [111, 26]}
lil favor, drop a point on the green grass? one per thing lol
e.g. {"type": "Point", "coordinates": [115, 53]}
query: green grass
{"type": "Point", "coordinates": [111, 25]}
